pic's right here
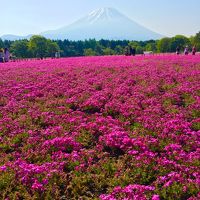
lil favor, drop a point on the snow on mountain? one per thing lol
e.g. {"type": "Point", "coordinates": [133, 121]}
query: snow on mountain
{"type": "Point", "coordinates": [103, 14]}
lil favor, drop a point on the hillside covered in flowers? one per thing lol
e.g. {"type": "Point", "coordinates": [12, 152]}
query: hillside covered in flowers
{"type": "Point", "coordinates": [108, 128]}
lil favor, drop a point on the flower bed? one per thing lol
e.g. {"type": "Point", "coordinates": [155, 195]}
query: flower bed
{"type": "Point", "coordinates": [104, 128]}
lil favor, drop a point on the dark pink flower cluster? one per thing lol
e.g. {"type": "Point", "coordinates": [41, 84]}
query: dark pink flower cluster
{"type": "Point", "coordinates": [133, 192]}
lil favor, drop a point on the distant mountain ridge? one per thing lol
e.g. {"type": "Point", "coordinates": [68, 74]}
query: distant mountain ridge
{"type": "Point", "coordinates": [103, 23]}
{"type": "Point", "coordinates": [15, 37]}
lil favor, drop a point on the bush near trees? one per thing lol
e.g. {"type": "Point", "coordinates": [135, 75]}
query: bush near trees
{"type": "Point", "coordinates": [89, 52]}
{"type": "Point", "coordinates": [196, 41]}
{"type": "Point", "coordinates": [163, 45]}
{"type": "Point", "coordinates": [20, 49]}
{"type": "Point", "coordinates": [52, 47]}
{"type": "Point", "coordinates": [39, 46]}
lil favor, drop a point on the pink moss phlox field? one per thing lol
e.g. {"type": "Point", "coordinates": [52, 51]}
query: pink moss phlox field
{"type": "Point", "coordinates": [106, 128]}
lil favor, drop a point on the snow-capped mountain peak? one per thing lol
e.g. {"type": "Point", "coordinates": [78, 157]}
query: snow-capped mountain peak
{"type": "Point", "coordinates": [103, 14]}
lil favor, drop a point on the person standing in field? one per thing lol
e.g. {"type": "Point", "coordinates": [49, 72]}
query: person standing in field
{"type": "Point", "coordinates": [177, 50]}
{"type": "Point", "coordinates": [6, 55]}
{"type": "Point", "coordinates": [1, 56]}
{"type": "Point", "coordinates": [57, 54]}
{"type": "Point", "coordinates": [193, 50]}
{"type": "Point", "coordinates": [127, 51]}
{"type": "Point", "coordinates": [132, 51]}
{"type": "Point", "coordinates": [186, 51]}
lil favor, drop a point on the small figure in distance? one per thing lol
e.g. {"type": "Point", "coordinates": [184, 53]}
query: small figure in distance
{"type": "Point", "coordinates": [132, 51]}
{"type": "Point", "coordinates": [127, 51]}
{"type": "Point", "coordinates": [13, 57]}
{"type": "Point", "coordinates": [194, 50]}
{"type": "Point", "coordinates": [6, 55]}
{"type": "Point", "coordinates": [1, 56]}
{"type": "Point", "coordinates": [177, 50]}
{"type": "Point", "coordinates": [186, 51]}
{"type": "Point", "coordinates": [57, 54]}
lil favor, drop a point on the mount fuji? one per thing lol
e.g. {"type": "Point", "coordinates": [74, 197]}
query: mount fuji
{"type": "Point", "coordinates": [103, 23]}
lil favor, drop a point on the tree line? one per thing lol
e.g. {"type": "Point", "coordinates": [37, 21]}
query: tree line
{"type": "Point", "coordinates": [39, 46]}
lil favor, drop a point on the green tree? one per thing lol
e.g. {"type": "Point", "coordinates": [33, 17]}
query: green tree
{"type": "Point", "coordinates": [139, 50]}
{"type": "Point", "coordinates": [119, 50]}
{"type": "Point", "coordinates": [151, 47]}
{"type": "Point", "coordinates": [7, 43]}
{"type": "Point", "coordinates": [137, 46]}
{"type": "Point", "coordinates": [179, 40]}
{"type": "Point", "coordinates": [38, 46]}
{"type": "Point", "coordinates": [163, 45]}
{"type": "Point", "coordinates": [89, 52]}
{"type": "Point", "coordinates": [1, 43]}
{"type": "Point", "coordinates": [192, 40]}
{"type": "Point", "coordinates": [196, 41]}
{"type": "Point", "coordinates": [108, 51]}
{"type": "Point", "coordinates": [134, 44]}
{"type": "Point", "coordinates": [99, 49]}
{"type": "Point", "coordinates": [19, 48]}
{"type": "Point", "coordinates": [52, 48]}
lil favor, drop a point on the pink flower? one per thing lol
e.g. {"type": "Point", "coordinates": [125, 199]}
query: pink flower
{"type": "Point", "coordinates": [167, 184]}
{"type": "Point", "coordinates": [155, 197]}
{"type": "Point", "coordinates": [37, 186]}
{"type": "Point", "coordinates": [3, 168]}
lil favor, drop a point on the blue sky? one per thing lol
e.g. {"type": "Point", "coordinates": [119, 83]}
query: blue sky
{"type": "Point", "coordinates": [168, 17]}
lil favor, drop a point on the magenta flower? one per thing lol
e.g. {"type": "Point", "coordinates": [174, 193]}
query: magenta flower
{"type": "Point", "coordinates": [155, 197]}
